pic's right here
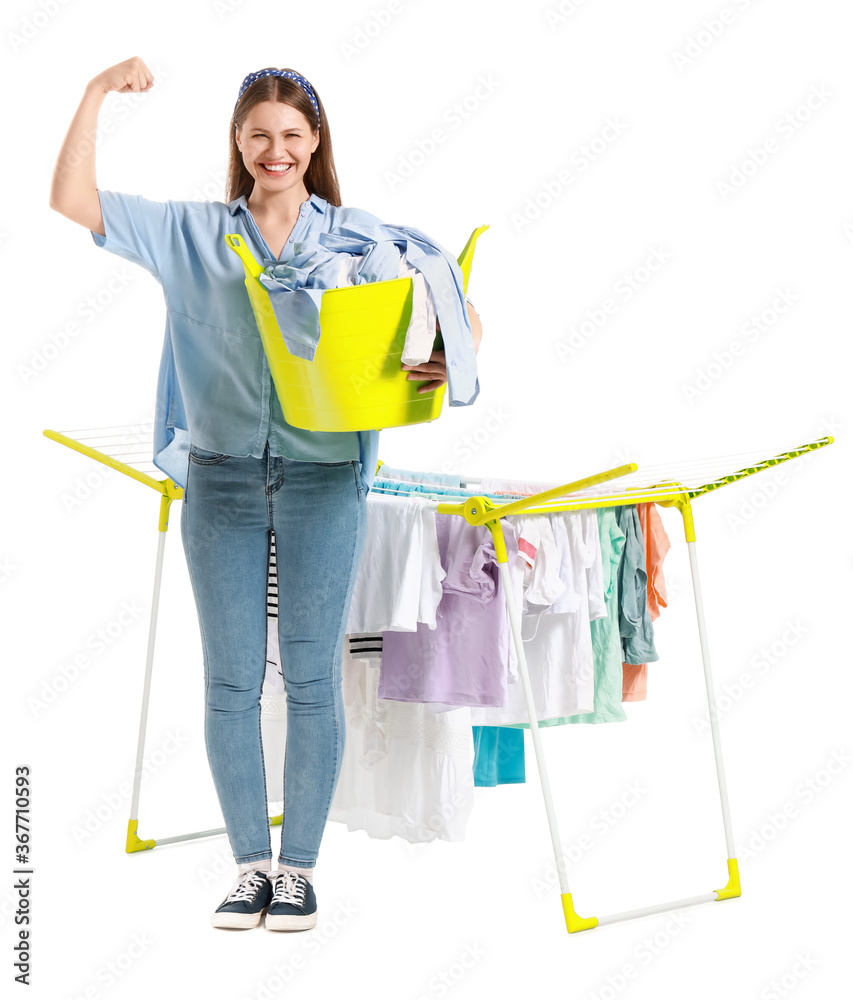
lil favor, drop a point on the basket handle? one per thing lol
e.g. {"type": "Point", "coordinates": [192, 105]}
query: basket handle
{"type": "Point", "coordinates": [467, 255]}
{"type": "Point", "coordinates": [238, 245]}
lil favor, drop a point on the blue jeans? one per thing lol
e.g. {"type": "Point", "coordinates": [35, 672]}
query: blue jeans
{"type": "Point", "coordinates": [319, 515]}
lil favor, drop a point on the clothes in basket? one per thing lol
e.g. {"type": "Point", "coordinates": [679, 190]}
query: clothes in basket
{"type": "Point", "coordinates": [296, 290]}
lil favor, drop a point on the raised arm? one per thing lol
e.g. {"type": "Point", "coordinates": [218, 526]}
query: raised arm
{"type": "Point", "coordinates": [74, 188]}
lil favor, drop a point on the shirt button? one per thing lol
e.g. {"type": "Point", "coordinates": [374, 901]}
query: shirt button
{"type": "Point", "coordinates": [290, 240]}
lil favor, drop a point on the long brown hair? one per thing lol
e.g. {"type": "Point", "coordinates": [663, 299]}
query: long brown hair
{"type": "Point", "coordinates": [320, 177]}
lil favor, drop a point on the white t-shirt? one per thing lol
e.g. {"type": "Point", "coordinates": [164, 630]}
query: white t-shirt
{"type": "Point", "coordinates": [398, 583]}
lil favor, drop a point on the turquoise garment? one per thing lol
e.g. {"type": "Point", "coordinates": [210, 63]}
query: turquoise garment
{"type": "Point", "coordinates": [635, 620]}
{"type": "Point", "coordinates": [214, 386]}
{"type": "Point", "coordinates": [498, 756]}
{"type": "Point", "coordinates": [606, 641]}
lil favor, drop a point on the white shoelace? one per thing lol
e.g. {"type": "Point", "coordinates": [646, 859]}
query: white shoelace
{"type": "Point", "coordinates": [246, 886]}
{"type": "Point", "coordinates": [289, 887]}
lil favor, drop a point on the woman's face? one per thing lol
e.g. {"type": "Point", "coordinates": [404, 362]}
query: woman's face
{"type": "Point", "coordinates": [276, 133]}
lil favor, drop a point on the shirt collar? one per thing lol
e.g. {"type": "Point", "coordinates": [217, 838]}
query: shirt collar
{"type": "Point", "coordinates": [316, 200]}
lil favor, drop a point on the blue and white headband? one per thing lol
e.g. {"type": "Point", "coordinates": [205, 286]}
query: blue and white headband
{"type": "Point", "coordinates": [290, 75]}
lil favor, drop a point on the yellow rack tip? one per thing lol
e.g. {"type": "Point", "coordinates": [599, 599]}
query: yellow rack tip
{"type": "Point", "coordinates": [133, 842]}
{"type": "Point", "coordinates": [733, 886]}
{"type": "Point", "coordinates": [573, 921]}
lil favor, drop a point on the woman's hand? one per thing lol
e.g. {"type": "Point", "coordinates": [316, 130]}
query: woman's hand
{"type": "Point", "coordinates": [130, 75]}
{"type": "Point", "coordinates": [435, 368]}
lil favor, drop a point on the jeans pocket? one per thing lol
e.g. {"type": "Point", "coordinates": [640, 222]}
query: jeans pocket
{"type": "Point", "coordinates": [201, 456]}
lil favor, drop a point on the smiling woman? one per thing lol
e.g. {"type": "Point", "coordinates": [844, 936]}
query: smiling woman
{"type": "Point", "coordinates": [221, 435]}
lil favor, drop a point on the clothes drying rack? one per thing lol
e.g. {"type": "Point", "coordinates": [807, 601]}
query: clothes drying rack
{"type": "Point", "coordinates": [671, 485]}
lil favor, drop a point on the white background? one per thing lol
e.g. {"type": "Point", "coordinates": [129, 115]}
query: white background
{"type": "Point", "coordinates": [471, 918]}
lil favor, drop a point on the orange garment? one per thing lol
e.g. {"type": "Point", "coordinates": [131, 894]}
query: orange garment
{"type": "Point", "coordinates": [634, 680]}
{"type": "Point", "coordinates": [635, 675]}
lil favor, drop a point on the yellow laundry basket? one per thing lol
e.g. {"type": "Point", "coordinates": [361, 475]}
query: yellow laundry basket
{"type": "Point", "coordinates": [355, 382]}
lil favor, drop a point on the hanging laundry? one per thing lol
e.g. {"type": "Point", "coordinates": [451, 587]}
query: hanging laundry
{"type": "Point", "coordinates": [273, 676]}
{"type": "Point", "coordinates": [464, 660]}
{"type": "Point", "coordinates": [604, 630]}
{"type": "Point", "coordinates": [498, 756]}
{"type": "Point", "coordinates": [657, 544]}
{"type": "Point", "coordinates": [366, 645]}
{"type": "Point", "coordinates": [559, 650]}
{"type": "Point", "coordinates": [635, 623]}
{"type": "Point", "coordinates": [441, 486]}
{"type": "Point", "coordinates": [398, 582]}
{"type": "Point", "coordinates": [406, 771]}
{"type": "Point", "coordinates": [537, 548]}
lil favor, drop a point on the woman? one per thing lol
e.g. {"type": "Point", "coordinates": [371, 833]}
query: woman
{"type": "Point", "coordinates": [247, 471]}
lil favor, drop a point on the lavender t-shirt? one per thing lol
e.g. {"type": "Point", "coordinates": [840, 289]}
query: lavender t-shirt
{"type": "Point", "coordinates": [463, 661]}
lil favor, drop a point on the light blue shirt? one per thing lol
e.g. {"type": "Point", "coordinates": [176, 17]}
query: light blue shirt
{"type": "Point", "coordinates": [214, 386]}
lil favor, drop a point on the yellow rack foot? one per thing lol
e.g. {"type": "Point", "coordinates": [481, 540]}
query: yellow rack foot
{"type": "Point", "coordinates": [733, 887]}
{"type": "Point", "coordinates": [573, 921]}
{"type": "Point", "coordinates": [276, 820]}
{"type": "Point", "coordinates": [133, 842]}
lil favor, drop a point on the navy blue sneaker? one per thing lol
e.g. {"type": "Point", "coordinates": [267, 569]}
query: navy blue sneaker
{"type": "Point", "coordinates": [294, 905]}
{"type": "Point", "coordinates": [246, 903]}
